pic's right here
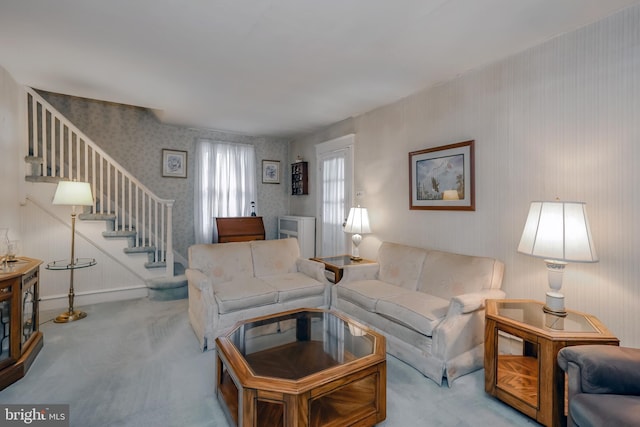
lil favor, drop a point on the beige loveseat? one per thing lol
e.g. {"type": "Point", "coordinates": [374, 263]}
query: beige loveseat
{"type": "Point", "coordinates": [229, 282]}
{"type": "Point", "coordinates": [429, 304]}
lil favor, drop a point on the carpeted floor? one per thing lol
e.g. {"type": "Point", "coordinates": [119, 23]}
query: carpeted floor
{"type": "Point", "coordinates": [137, 363]}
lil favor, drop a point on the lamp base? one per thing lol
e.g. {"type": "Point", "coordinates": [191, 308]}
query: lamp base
{"type": "Point", "coordinates": [67, 317]}
{"type": "Point", "coordinates": [555, 304]}
{"type": "Point", "coordinates": [356, 258]}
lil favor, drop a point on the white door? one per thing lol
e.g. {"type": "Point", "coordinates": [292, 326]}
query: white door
{"type": "Point", "coordinates": [335, 178]}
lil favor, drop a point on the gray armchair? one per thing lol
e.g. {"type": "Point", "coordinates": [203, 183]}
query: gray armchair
{"type": "Point", "coordinates": [604, 385]}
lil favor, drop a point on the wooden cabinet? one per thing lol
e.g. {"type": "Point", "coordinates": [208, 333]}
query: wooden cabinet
{"type": "Point", "coordinates": [299, 178]}
{"type": "Point", "coordinates": [302, 228]}
{"type": "Point", "coordinates": [240, 229]}
{"type": "Point", "coordinates": [521, 346]}
{"type": "Point", "coordinates": [20, 337]}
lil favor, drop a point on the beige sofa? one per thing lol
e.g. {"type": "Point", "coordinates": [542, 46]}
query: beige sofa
{"type": "Point", "coordinates": [228, 282]}
{"type": "Point", "coordinates": [429, 304]}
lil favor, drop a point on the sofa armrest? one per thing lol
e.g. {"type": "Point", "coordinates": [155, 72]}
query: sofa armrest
{"type": "Point", "coordinates": [602, 369]}
{"type": "Point", "coordinates": [462, 329]}
{"type": "Point", "coordinates": [353, 273]}
{"type": "Point", "coordinates": [312, 269]}
{"type": "Point", "coordinates": [467, 303]}
{"type": "Point", "coordinates": [198, 279]}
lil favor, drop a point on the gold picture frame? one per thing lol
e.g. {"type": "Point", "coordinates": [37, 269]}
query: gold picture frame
{"type": "Point", "coordinates": [442, 178]}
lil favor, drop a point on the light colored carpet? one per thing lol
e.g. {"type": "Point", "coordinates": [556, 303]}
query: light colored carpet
{"type": "Point", "coordinates": [137, 363]}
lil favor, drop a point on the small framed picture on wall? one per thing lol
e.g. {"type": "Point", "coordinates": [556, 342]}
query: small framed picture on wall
{"type": "Point", "coordinates": [174, 163]}
{"type": "Point", "coordinates": [271, 172]}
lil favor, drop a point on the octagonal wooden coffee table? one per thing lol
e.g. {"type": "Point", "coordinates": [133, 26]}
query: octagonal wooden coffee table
{"type": "Point", "coordinates": [308, 367]}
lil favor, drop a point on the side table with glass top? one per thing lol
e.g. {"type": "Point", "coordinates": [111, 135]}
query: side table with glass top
{"type": "Point", "coordinates": [520, 350]}
{"type": "Point", "coordinates": [71, 314]}
{"type": "Point", "coordinates": [335, 265]}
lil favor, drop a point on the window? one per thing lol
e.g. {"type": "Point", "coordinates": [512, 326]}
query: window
{"type": "Point", "coordinates": [225, 184]}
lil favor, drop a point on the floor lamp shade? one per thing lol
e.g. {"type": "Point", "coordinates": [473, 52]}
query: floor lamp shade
{"type": "Point", "coordinates": [357, 224]}
{"type": "Point", "coordinates": [558, 232]}
{"type": "Point", "coordinates": [73, 193]}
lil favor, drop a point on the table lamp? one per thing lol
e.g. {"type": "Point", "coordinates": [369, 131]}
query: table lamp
{"type": "Point", "coordinates": [559, 233]}
{"type": "Point", "coordinates": [72, 193]}
{"type": "Point", "coordinates": [357, 223]}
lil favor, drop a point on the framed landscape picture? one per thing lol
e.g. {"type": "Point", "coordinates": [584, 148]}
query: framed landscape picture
{"type": "Point", "coordinates": [271, 172]}
{"type": "Point", "coordinates": [442, 178]}
{"type": "Point", "coordinates": [174, 163]}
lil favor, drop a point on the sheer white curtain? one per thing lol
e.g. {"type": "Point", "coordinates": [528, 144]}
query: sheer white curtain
{"type": "Point", "coordinates": [333, 207]}
{"type": "Point", "coordinates": [225, 184]}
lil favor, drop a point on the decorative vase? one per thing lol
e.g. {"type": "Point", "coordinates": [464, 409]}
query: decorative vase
{"type": "Point", "coordinates": [4, 246]}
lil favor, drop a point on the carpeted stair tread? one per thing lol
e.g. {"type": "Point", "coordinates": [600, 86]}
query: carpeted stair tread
{"type": "Point", "coordinates": [97, 217]}
{"type": "Point", "coordinates": [158, 264]}
{"type": "Point", "coordinates": [139, 250]}
{"type": "Point", "coordinates": [119, 234]}
{"type": "Point", "coordinates": [33, 159]}
{"type": "Point", "coordinates": [50, 179]}
{"type": "Point", "coordinates": [167, 282]}
{"type": "Point", "coordinates": [168, 288]}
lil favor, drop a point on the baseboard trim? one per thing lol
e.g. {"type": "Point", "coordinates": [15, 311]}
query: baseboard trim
{"type": "Point", "coordinates": [61, 301]}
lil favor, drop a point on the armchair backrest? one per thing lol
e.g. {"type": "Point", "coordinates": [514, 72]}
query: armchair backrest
{"type": "Point", "coordinates": [603, 369]}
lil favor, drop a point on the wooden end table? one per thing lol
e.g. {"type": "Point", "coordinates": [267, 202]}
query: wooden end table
{"type": "Point", "coordinates": [521, 344]}
{"type": "Point", "coordinates": [336, 264]}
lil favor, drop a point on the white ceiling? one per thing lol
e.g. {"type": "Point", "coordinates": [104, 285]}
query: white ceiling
{"type": "Point", "coordinates": [269, 67]}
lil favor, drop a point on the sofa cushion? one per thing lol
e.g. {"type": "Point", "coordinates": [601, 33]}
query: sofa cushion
{"type": "Point", "coordinates": [416, 310]}
{"type": "Point", "coordinates": [400, 265]}
{"type": "Point", "coordinates": [292, 286]}
{"type": "Point", "coordinates": [222, 262]}
{"type": "Point", "coordinates": [274, 256]}
{"type": "Point", "coordinates": [366, 293]}
{"type": "Point", "coordinates": [446, 274]}
{"type": "Point", "coordinates": [243, 293]}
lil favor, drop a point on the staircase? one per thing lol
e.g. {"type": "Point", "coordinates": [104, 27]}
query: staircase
{"type": "Point", "coordinates": [132, 214]}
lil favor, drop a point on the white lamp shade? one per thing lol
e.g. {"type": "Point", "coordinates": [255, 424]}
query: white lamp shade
{"type": "Point", "coordinates": [73, 193]}
{"type": "Point", "coordinates": [558, 231]}
{"type": "Point", "coordinates": [358, 221]}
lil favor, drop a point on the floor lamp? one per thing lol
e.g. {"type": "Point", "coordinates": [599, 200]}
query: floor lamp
{"type": "Point", "coordinates": [72, 193]}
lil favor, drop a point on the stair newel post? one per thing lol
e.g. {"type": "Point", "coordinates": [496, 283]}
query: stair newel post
{"type": "Point", "coordinates": [169, 248]}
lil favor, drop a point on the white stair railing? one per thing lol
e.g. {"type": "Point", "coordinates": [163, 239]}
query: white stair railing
{"type": "Point", "coordinates": [65, 152]}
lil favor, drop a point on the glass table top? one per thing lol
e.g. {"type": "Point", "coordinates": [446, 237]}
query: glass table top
{"type": "Point", "coordinates": [295, 345]}
{"type": "Point", "coordinates": [531, 313]}
{"type": "Point", "coordinates": [340, 260]}
{"type": "Point", "coordinates": [66, 264]}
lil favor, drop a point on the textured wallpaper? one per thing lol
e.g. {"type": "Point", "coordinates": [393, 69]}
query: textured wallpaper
{"type": "Point", "coordinates": [134, 138]}
{"type": "Point", "coordinates": [558, 120]}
